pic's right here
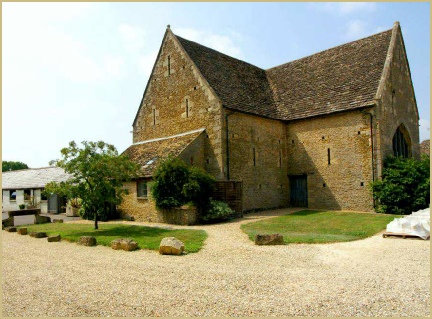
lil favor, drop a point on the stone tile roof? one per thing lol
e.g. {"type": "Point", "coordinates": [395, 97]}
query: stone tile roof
{"type": "Point", "coordinates": [238, 84]}
{"type": "Point", "coordinates": [339, 79]}
{"type": "Point", "coordinates": [425, 147]}
{"type": "Point", "coordinates": [33, 177]}
{"type": "Point", "coordinates": [147, 154]}
{"type": "Point", "coordinates": [342, 78]}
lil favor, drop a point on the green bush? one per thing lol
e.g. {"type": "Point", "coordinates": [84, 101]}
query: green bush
{"type": "Point", "coordinates": [217, 211]}
{"type": "Point", "coordinates": [176, 184]}
{"type": "Point", "coordinates": [21, 206]}
{"type": "Point", "coordinates": [405, 186]}
{"type": "Point", "coordinates": [199, 188]}
{"type": "Point", "coordinates": [169, 178]}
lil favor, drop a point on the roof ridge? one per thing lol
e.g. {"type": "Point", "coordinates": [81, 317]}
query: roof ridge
{"type": "Point", "coordinates": [332, 48]}
{"type": "Point", "coordinates": [169, 137]}
{"type": "Point", "coordinates": [32, 169]}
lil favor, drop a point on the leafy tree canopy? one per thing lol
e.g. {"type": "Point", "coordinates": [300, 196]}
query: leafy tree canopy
{"type": "Point", "coordinates": [176, 184]}
{"type": "Point", "coordinates": [98, 173]}
{"type": "Point", "coordinates": [13, 166]}
{"type": "Point", "coordinates": [405, 186]}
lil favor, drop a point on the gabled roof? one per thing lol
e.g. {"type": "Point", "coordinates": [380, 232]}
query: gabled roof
{"type": "Point", "coordinates": [338, 79]}
{"type": "Point", "coordinates": [238, 84]}
{"type": "Point", "coordinates": [33, 177]}
{"type": "Point", "coordinates": [148, 153]}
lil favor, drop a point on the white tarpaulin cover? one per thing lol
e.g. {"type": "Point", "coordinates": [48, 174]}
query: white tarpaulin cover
{"type": "Point", "coordinates": [418, 224]}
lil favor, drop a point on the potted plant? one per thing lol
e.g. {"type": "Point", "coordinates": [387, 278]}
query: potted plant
{"type": "Point", "coordinates": [73, 206]}
{"type": "Point", "coordinates": [21, 206]}
{"type": "Point", "coordinates": [32, 203]}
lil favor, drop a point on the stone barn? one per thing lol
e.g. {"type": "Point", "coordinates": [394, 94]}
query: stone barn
{"type": "Point", "coordinates": [311, 133]}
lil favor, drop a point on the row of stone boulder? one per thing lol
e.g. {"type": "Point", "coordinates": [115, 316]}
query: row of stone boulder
{"type": "Point", "coordinates": [168, 245]}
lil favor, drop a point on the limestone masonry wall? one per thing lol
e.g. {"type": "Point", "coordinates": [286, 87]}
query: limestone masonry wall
{"type": "Point", "coordinates": [397, 106]}
{"type": "Point", "coordinates": [342, 183]}
{"type": "Point", "coordinates": [258, 158]}
{"type": "Point", "coordinates": [178, 100]}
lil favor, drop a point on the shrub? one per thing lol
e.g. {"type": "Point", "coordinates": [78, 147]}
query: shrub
{"type": "Point", "coordinates": [21, 206]}
{"type": "Point", "coordinates": [199, 188]}
{"type": "Point", "coordinates": [405, 186]}
{"type": "Point", "coordinates": [217, 211]}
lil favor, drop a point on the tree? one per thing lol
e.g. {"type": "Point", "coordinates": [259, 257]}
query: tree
{"type": "Point", "coordinates": [13, 166]}
{"type": "Point", "coordinates": [98, 173]}
{"type": "Point", "coordinates": [405, 186]}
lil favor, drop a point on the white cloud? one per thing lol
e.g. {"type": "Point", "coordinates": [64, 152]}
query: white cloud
{"type": "Point", "coordinates": [133, 37]}
{"type": "Point", "coordinates": [355, 7]}
{"type": "Point", "coordinates": [226, 44]}
{"type": "Point", "coordinates": [424, 129]}
{"type": "Point", "coordinates": [146, 62]}
{"type": "Point", "coordinates": [356, 29]}
{"type": "Point", "coordinates": [344, 8]}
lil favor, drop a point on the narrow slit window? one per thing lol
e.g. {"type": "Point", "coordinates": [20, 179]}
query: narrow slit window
{"type": "Point", "coordinates": [328, 156]}
{"type": "Point", "coordinates": [187, 108]}
{"type": "Point", "coordinates": [169, 65]}
{"type": "Point", "coordinates": [154, 117]}
{"type": "Point", "coordinates": [254, 156]}
{"type": "Point", "coordinates": [280, 158]}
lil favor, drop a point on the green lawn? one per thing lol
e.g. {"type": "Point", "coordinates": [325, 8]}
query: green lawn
{"type": "Point", "coordinates": [310, 226]}
{"type": "Point", "coordinates": [146, 237]}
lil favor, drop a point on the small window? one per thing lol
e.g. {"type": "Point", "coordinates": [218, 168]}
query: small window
{"type": "Point", "coordinates": [27, 194]}
{"type": "Point", "coordinates": [324, 185]}
{"type": "Point", "coordinates": [187, 108]}
{"type": "Point", "coordinates": [43, 195]}
{"type": "Point", "coordinates": [169, 65]}
{"type": "Point", "coordinates": [361, 184]}
{"type": "Point", "coordinates": [328, 156]}
{"type": "Point", "coordinates": [194, 88]}
{"type": "Point", "coordinates": [280, 159]}
{"type": "Point", "coordinates": [254, 156]}
{"type": "Point", "coordinates": [154, 117]}
{"type": "Point", "coordinates": [142, 189]}
{"type": "Point", "coordinates": [12, 194]}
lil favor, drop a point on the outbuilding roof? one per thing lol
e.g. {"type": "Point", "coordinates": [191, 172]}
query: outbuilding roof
{"type": "Point", "coordinates": [33, 177]}
{"type": "Point", "coordinates": [148, 153]}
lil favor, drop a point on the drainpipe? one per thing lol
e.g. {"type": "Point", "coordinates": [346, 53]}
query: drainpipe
{"type": "Point", "coordinates": [372, 151]}
{"type": "Point", "coordinates": [227, 146]}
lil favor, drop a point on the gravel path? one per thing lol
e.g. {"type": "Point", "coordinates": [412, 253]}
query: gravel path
{"type": "Point", "coordinates": [230, 276]}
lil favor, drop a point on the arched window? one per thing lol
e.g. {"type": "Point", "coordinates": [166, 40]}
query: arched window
{"type": "Point", "coordinates": [401, 142]}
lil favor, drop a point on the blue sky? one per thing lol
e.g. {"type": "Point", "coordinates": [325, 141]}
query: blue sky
{"type": "Point", "coordinates": [77, 71]}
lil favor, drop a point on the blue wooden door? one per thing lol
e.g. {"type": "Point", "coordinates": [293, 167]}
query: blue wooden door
{"type": "Point", "coordinates": [298, 188]}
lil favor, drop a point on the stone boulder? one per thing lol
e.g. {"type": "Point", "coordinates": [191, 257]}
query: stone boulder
{"type": "Point", "coordinates": [273, 239]}
{"type": "Point", "coordinates": [41, 219]}
{"type": "Point", "coordinates": [38, 234]}
{"type": "Point", "coordinates": [22, 231]}
{"type": "Point", "coordinates": [57, 220]}
{"type": "Point", "coordinates": [10, 229]}
{"type": "Point", "coordinates": [124, 243]}
{"type": "Point", "coordinates": [87, 241]}
{"type": "Point", "coordinates": [7, 222]}
{"type": "Point", "coordinates": [54, 238]}
{"type": "Point", "coordinates": [171, 246]}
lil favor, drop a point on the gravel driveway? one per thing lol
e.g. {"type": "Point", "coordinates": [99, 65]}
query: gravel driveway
{"type": "Point", "coordinates": [230, 276]}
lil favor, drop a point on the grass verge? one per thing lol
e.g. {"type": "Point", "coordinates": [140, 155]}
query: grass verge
{"type": "Point", "coordinates": [310, 226]}
{"type": "Point", "coordinates": [146, 237]}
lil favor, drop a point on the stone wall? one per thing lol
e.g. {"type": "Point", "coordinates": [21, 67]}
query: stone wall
{"type": "Point", "coordinates": [144, 209]}
{"type": "Point", "coordinates": [179, 100]}
{"type": "Point", "coordinates": [342, 184]}
{"type": "Point", "coordinates": [257, 158]}
{"type": "Point", "coordinates": [396, 106]}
